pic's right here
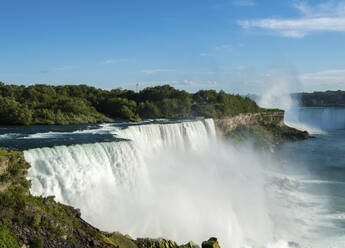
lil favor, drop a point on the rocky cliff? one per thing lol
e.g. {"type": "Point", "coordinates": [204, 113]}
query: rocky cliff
{"type": "Point", "coordinates": [229, 124]}
{"type": "Point", "coordinates": [265, 128]}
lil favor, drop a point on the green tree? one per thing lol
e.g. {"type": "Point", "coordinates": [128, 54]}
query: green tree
{"type": "Point", "coordinates": [13, 112]}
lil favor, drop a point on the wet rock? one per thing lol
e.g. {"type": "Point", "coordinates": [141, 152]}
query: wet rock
{"type": "Point", "coordinates": [155, 243]}
{"type": "Point", "coordinates": [94, 243]}
{"type": "Point", "coordinates": [211, 243]}
{"type": "Point", "coordinates": [190, 245]}
{"type": "Point", "coordinates": [77, 213]}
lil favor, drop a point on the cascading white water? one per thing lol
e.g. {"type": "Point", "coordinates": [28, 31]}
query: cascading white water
{"type": "Point", "coordinates": [176, 181]}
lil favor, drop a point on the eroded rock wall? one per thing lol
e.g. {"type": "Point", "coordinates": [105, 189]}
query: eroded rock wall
{"type": "Point", "coordinates": [229, 124]}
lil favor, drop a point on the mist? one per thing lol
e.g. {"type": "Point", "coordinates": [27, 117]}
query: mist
{"type": "Point", "coordinates": [277, 94]}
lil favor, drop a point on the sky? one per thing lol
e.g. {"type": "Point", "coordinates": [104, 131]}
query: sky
{"type": "Point", "coordinates": [240, 46]}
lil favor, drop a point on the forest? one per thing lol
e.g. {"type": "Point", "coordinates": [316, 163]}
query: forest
{"type": "Point", "coordinates": [76, 104]}
{"type": "Point", "coordinates": [321, 99]}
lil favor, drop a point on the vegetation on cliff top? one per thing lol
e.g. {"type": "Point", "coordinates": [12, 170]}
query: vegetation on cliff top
{"type": "Point", "coordinates": [321, 99]}
{"type": "Point", "coordinates": [41, 222]}
{"type": "Point", "coordinates": [75, 104]}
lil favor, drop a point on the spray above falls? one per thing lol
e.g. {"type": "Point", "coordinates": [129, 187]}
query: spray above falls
{"type": "Point", "coordinates": [313, 120]}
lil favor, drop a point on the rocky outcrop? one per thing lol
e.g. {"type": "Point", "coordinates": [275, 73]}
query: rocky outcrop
{"type": "Point", "coordinates": [267, 128]}
{"type": "Point", "coordinates": [228, 124]}
{"type": "Point", "coordinates": [162, 243]}
{"type": "Point", "coordinates": [211, 243]}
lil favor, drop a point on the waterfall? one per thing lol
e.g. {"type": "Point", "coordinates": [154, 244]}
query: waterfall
{"type": "Point", "coordinates": [177, 181]}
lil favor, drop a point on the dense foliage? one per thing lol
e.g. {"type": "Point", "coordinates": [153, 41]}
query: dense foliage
{"type": "Point", "coordinates": [72, 104]}
{"type": "Point", "coordinates": [322, 99]}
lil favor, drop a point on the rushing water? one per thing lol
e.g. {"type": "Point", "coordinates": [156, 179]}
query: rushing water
{"type": "Point", "coordinates": [315, 171]}
{"type": "Point", "coordinates": [180, 181]}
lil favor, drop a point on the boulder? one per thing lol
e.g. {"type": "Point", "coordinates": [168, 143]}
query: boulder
{"type": "Point", "coordinates": [155, 243]}
{"type": "Point", "coordinates": [211, 243]}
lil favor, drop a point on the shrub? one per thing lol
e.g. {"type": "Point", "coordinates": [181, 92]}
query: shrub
{"type": "Point", "coordinates": [36, 242]}
{"type": "Point", "coordinates": [7, 240]}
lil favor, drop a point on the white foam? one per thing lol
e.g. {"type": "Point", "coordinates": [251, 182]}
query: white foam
{"type": "Point", "coordinates": [9, 135]}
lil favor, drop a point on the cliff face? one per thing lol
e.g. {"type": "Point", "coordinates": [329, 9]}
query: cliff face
{"type": "Point", "coordinates": [265, 128]}
{"type": "Point", "coordinates": [229, 124]}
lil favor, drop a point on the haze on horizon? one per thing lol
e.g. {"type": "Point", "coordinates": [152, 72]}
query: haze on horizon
{"type": "Point", "coordinates": [241, 46]}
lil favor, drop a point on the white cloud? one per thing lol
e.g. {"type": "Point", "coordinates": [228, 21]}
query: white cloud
{"type": "Point", "coordinates": [195, 83]}
{"type": "Point", "coordinates": [61, 68]}
{"type": "Point", "coordinates": [153, 71]}
{"type": "Point", "coordinates": [244, 68]}
{"type": "Point", "coordinates": [108, 61]}
{"type": "Point", "coordinates": [324, 80]}
{"type": "Point", "coordinates": [189, 85]}
{"type": "Point", "coordinates": [224, 47]}
{"type": "Point", "coordinates": [325, 75]}
{"type": "Point", "coordinates": [205, 54]}
{"type": "Point", "coordinates": [298, 28]}
{"type": "Point", "coordinates": [243, 3]}
{"type": "Point", "coordinates": [327, 9]}
{"type": "Point", "coordinates": [114, 61]}
{"type": "Point", "coordinates": [327, 17]}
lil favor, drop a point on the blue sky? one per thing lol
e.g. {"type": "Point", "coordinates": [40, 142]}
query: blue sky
{"type": "Point", "coordinates": [242, 46]}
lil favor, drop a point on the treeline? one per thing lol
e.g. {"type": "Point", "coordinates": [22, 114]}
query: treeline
{"type": "Point", "coordinates": [321, 99]}
{"type": "Point", "coordinates": [42, 104]}
{"type": "Point", "coordinates": [72, 104]}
